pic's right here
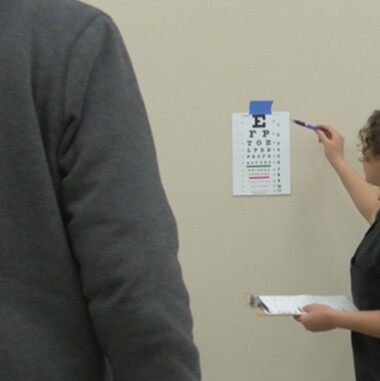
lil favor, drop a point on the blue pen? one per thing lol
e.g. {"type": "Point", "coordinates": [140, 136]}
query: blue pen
{"type": "Point", "coordinates": [312, 127]}
{"type": "Point", "coordinates": [303, 124]}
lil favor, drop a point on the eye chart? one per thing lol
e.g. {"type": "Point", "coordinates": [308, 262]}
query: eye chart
{"type": "Point", "coordinates": [261, 151]}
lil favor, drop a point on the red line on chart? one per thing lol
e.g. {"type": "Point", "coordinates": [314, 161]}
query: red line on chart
{"type": "Point", "coordinates": [259, 177]}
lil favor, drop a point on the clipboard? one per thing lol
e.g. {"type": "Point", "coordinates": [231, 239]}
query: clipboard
{"type": "Point", "coordinates": [291, 305]}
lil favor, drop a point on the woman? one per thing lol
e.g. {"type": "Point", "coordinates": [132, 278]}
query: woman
{"type": "Point", "coordinates": [365, 264]}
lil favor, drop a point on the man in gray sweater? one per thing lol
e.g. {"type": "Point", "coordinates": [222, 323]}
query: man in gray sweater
{"type": "Point", "coordinates": [89, 274]}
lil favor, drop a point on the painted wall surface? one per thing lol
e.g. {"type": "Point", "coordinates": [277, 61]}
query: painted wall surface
{"type": "Point", "coordinates": [198, 62]}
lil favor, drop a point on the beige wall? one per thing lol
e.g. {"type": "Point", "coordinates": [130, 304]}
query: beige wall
{"type": "Point", "coordinates": [199, 61]}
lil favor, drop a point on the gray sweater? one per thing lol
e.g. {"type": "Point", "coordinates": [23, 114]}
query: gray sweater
{"type": "Point", "coordinates": [88, 244]}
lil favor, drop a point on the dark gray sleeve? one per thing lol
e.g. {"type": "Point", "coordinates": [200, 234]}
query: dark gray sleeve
{"type": "Point", "coordinates": [121, 228]}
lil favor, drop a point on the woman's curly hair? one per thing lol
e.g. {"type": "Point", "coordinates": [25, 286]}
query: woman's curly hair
{"type": "Point", "coordinates": [369, 136]}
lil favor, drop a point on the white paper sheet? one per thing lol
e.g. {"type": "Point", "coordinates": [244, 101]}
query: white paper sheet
{"type": "Point", "coordinates": [261, 154]}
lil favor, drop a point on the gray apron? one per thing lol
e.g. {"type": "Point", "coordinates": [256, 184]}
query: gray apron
{"type": "Point", "coordinates": [365, 286]}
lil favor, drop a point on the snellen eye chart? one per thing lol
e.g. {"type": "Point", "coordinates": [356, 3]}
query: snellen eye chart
{"type": "Point", "coordinates": [261, 154]}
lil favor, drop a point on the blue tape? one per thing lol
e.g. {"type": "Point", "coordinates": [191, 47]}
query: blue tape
{"type": "Point", "coordinates": [260, 107]}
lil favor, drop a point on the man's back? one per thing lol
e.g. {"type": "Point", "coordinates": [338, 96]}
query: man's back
{"type": "Point", "coordinates": [88, 243]}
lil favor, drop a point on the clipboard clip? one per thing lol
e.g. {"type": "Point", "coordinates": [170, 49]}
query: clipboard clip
{"type": "Point", "coordinates": [255, 302]}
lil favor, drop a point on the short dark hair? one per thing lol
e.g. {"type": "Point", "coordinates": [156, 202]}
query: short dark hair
{"type": "Point", "coordinates": [369, 136]}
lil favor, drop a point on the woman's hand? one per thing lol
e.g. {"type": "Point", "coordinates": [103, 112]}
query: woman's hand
{"type": "Point", "coordinates": [317, 318]}
{"type": "Point", "coordinates": [332, 141]}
